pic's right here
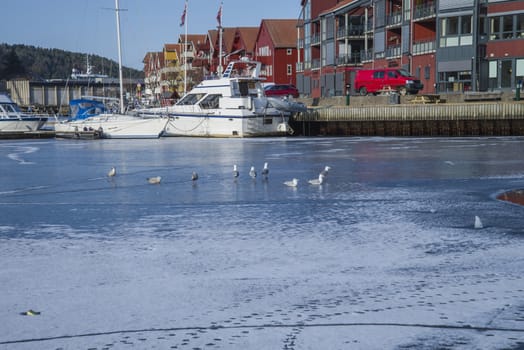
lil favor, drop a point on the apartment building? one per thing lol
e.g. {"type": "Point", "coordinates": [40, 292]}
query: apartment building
{"type": "Point", "coordinates": [450, 45]}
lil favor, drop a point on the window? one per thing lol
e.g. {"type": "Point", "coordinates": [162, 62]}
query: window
{"type": "Point", "coordinates": [289, 69]}
{"type": "Point", "coordinates": [378, 75]}
{"type": "Point", "coordinates": [456, 31]}
{"type": "Point", "coordinates": [289, 52]}
{"type": "Point", "coordinates": [520, 26]}
{"type": "Point", "coordinates": [494, 28]}
{"type": "Point", "coordinates": [427, 72]}
{"type": "Point", "coordinates": [210, 102]}
{"type": "Point", "coordinates": [507, 27]}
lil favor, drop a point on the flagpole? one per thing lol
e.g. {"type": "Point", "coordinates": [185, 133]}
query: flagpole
{"type": "Point", "coordinates": [220, 68]}
{"type": "Point", "coordinates": [185, 49]}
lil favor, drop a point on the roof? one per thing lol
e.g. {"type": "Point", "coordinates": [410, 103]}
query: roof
{"type": "Point", "coordinates": [338, 6]}
{"type": "Point", "coordinates": [193, 38]}
{"type": "Point", "coordinates": [282, 32]}
{"type": "Point", "coordinates": [248, 36]}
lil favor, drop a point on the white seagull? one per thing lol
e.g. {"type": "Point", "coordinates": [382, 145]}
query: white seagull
{"type": "Point", "coordinates": [252, 172]}
{"type": "Point", "coordinates": [318, 181]}
{"type": "Point", "coordinates": [154, 180]}
{"type": "Point", "coordinates": [292, 183]}
{"type": "Point", "coordinates": [326, 171]}
{"type": "Point", "coordinates": [265, 171]}
{"type": "Point", "coordinates": [478, 223]}
{"type": "Point", "coordinates": [235, 171]}
{"type": "Point", "coordinates": [112, 172]}
{"type": "Point", "coordinates": [194, 176]}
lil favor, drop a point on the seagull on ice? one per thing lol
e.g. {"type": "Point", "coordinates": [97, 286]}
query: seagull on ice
{"type": "Point", "coordinates": [478, 223]}
{"type": "Point", "coordinates": [318, 181]}
{"type": "Point", "coordinates": [292, 183]}
{"type": "Point", "coordinates": [326, 171]}
{"type": "Point", "coordinates": [154, 180]}
{"type": "Point", "coordinates": [235, 171]}
{"type": "Point", "coordinates": [194, 176]}
{"type": "Point", "coordinates": [252, 172]}
{"type": "Point", "coordinates": [265, 171]}
{"type": "Point", "coordinates": [112, 172]}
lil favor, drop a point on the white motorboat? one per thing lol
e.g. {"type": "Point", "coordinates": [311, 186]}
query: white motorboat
{"type": "Point", "coordinates": [113, 125]}
{"type": "Point", "coordinates": [233, 105]}
{"type": "Point", "coordinates": [13, 120]}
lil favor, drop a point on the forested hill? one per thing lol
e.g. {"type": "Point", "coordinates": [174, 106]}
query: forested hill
{"type": "Point", "coordinates": [23, 61]}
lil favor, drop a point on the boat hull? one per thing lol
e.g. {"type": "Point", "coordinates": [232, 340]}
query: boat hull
{"type": "Point", "coordinates": [224, 125]}
{"type": "Point", "coordinates": [113, 127]}
{"type": "Point", "coordinates": [23, 124]}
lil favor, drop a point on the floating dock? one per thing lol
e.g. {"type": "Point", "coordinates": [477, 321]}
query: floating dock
{"type": "Point", "coordinates": [464, 119]}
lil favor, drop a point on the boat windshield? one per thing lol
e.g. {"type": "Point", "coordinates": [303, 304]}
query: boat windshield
{"type": "Point", "coordinates": [190, 99]}
{"type": "Point", "coordinates": [211, 101]}
{"type": "Point", "coordinates": [10, 108]}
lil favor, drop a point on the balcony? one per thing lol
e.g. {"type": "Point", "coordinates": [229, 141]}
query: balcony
{"type": "Point", "coordinates": [366, 56]}
{"type": "Point", "coordinates": [393, 51]}
{"type": "Point", "coordinates": [351, 31]}
{"type": "Point", "coordinates": [315, 63]}
{"type": "Point", "coordinates": [351, 59]}
{"type": "Point", "coordinates": [424, 46]}
{"type": "Point", "coordinates": [300, 66]}
{"type": "Point", "coordinates": [424, 11]}
{"type": "Point", "coordinates": [315, 39]}
{"type": "Point", "coordinates": [394, 19]}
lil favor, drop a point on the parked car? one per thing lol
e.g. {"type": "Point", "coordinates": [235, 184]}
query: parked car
{"type": "Point", "coordinates": [281, 90]}
{"type": "Point", "coordinates": [372, 81]}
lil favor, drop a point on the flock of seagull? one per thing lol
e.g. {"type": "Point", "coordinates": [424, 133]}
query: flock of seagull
{"type": "Point", "coordinates": [155, 180]}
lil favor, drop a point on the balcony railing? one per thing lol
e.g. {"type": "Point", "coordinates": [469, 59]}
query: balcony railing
{"type": "Point", "coordinates": [315, 63]}
{"type": "Point", "coordinates": [315, 39]}
{"type": "Point", "coordinates": [353, 30]}
{"type": "Point", "coordinates": [352, 58]}
{"type": "Point", "coordinates": [424, 11]}
{"type": "Point", "coordinates": [425, 46]}
{"type": "Point", "coordinates": [300, 66]}
{"type": "Point", "coordinates": [366, 55]}
{"type": "Point", "coordinates": [395, 18]}
{"type": "Point", "coordinates": [393, 51]}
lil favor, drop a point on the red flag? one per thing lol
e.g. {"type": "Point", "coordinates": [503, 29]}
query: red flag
{"type": "Point", "coordinates": [219, 16]}
{"type": "Point", "coordinates": [183, 18]}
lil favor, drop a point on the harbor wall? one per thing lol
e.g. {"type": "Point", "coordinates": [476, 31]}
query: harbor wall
{"type": "Point", "coordinates": [449, 119]}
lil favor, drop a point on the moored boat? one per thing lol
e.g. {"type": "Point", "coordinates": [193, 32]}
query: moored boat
{"type": "Point", "coordinates": [13, 120]}
{"type": "Point", "coordinates": [233, 105]}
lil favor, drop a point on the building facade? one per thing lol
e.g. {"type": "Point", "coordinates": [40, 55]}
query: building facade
{"type": "Point", "coordinates": [276, 49]}
{"type": "Point", "coordinates": [450, 45]}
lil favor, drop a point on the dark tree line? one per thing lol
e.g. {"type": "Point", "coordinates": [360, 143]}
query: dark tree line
{"type": "Point", "coordinates": [23, 61]}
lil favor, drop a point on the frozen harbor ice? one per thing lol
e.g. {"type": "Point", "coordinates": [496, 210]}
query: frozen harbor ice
{"type": "Point", "coordinates": [383, 255]}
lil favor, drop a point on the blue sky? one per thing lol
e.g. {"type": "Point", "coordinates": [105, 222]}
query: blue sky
{"type": "Point", "coordinates": [89, 26]}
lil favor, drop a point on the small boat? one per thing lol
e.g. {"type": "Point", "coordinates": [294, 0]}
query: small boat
{"type": "Point", "coordinates": [112, 126]}
{"type": "Point", "coordinates": [233, 105]}
{"type": "Point", "coordinates": [13, 120]}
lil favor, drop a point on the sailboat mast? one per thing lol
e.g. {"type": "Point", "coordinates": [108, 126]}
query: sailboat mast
{"type": "Point", "coordinates": [185, 50]}
{"type": "Point", "coordinates": [120, 77]}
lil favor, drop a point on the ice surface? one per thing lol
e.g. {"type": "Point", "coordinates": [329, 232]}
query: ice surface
{"type": "Point", "coordinates": [384, 255]}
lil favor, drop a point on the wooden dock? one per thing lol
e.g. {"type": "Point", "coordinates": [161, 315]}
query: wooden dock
{"type": "Point", "coordinates": [40, 134]}
{"type": "Point", "coordinates": [465, 119]}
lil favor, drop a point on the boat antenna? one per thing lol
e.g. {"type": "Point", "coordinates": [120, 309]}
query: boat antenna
{"type": "Point", "coordinates": [120, 78]}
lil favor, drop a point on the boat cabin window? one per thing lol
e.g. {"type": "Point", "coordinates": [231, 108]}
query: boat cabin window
{"type": "Point", "coordinates": [243, 88]}
{"type": "Point", "coordinates": [190, 99]}
{"type": "Point", "coordinates": [10, 108]}
{"type": "Point", "coordinates": [210, 101]}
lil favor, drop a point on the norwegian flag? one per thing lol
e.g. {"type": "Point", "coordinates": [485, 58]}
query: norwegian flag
{"type": "Point", "coordinates": [183, 18]}
{"type": "Point", "coordinates": [219, 16]}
